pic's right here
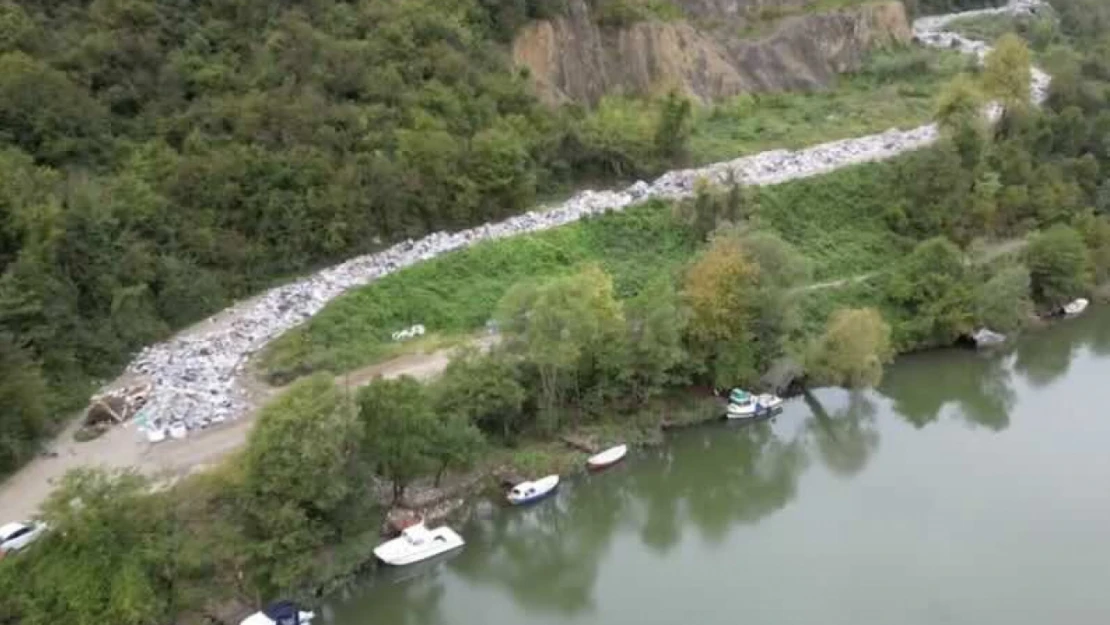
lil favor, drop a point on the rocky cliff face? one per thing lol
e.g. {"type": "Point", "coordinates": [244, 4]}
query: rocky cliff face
{"type": "Point", "coordinates": [707, 55]}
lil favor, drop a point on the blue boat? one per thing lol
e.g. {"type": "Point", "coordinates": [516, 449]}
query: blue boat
{"type": "Point", "coordinates": [527, 492]}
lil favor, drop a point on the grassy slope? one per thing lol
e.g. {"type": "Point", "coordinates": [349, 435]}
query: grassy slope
{"type": "Point", "coordinates": [835, 220]}
{"type": "Point", "coordinates": [893, 89]}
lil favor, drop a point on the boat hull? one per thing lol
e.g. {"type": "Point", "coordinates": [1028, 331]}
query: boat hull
{"type": "Point", "coordinates": [1076, 308]}
{"type": "Point", "coordinates": [607, 458]}
{"type": "Point", "coordinates": [439, 541]}
{"type": "Point", "coordinates": [542, 489]}
{"type": "Point", "coordinates": [764, 405]}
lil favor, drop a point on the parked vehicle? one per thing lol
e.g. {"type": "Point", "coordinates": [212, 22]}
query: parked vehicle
{"type": "Point", "coordinates": [527, 492]}
{"type": "Point", "coordinates": [17, 536]}
{"type": "Point", "coordinates": [417, 543]}
{"type": "Point", "coordinates": [607, 458]}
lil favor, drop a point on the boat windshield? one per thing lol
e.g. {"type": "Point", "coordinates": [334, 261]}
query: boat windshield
{"type": "Point", "coordinates": [415, 535]}
{"type": "Point", "coordinates": [738, 396]}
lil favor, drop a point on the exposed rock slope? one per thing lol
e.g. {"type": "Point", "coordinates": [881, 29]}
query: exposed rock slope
{"type": "Point", "coordinates": [711, 55]}
{"type": "Point", "coordinates": [197, 376]}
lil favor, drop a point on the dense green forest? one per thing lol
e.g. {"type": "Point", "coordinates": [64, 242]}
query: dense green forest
{"type": "Point", "coordinates": [161, 158]}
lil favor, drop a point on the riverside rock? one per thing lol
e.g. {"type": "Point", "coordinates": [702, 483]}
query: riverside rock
{"type": "Point", "coordinates": [196, 378]}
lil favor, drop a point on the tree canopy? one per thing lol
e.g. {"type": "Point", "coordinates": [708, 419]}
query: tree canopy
{"type": "Point", "coordinates": [853, 350]}
{"type": "Point", "coordinates": [1058, 265]}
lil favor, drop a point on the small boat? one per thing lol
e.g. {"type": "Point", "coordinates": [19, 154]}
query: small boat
{"type": "Point", "coordinates": [527, 492]}
{"type": "Point", "coordinates": [1076, 307]}
{"type": "Point", "coordinates": [607, 458]}
{"type": "Point", "coordinates": [417, 543]}
{"type": "Point", "coordinates": [744, 405]}
{"type": "Point", "coordinates": [280, 613]}
{"type": "Point", "coordinates": [985, 337]}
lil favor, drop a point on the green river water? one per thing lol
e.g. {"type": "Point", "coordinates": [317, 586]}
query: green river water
{"type": "Point", "coordinates": [967, 489]}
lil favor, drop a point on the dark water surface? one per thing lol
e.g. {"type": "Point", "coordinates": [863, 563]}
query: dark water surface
{"type": "Point", "coordinates": [967, 489]}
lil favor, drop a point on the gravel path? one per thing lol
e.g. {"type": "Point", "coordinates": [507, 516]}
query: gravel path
{"type": "Point", "coordinates": [199, 378]}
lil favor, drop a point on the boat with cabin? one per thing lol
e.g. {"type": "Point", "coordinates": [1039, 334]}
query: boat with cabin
{"type": "Point", "coordinates": [417, 543]}
{"type": "Point", "coordinates": [280, 613]}
{"type": "Point", "coordinates": [528, 492]}
{"type": "Point", "coordinates": [745, 405]}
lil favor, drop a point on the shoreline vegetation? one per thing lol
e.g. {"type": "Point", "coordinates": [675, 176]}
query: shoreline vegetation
{"type": "Point", "coordinates": [605, 327]}
{"type": "Point", "coordinates": [152, 193]}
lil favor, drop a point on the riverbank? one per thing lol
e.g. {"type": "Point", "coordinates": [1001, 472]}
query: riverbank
{"type": "Point", "coordinates": [578, 352]}
{"type": "Point", "coordinates": [221, 390]}
{"type": "Point", "coordinates": [961, 466]}
{"type": "Point", "coordinates": [194, 393]}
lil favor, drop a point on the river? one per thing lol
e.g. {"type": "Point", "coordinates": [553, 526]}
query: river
{"type": "Point", "coordinates": [967, 489]}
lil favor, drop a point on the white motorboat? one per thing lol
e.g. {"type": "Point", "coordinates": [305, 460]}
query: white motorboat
{"type": "Point", "coordinates": [607, 458]}
{"type": "Point", "coordinates": [417, 543]}
{"type": "Point", "coordinates": [280, 613]}
{"type": "Point", "coordinates": [1076, 307]}
{"type": "Point", "coordinates": [985, 337]}
{"type": "Point", "coordinates": [527, 492]}
{"type": "Point", "coordinates": [744, 405]}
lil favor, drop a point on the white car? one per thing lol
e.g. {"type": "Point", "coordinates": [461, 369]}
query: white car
{"type": "Point", "coordinates": [16, 536]}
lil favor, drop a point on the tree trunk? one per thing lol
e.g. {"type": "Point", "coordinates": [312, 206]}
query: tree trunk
{"type": "Point", "coordinates": [439, 473]}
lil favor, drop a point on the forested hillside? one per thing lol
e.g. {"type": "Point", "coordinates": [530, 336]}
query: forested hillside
{"type": "Point", "coordinates": [161, 158]}
{"type": "Point", "coordinates": [110, 243]}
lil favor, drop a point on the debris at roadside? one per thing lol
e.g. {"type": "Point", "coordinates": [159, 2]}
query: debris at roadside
{"type": "Point", "coordinates": [194, 380]}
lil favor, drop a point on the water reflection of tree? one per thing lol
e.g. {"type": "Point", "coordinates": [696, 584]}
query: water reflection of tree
{"type": "Point", "coordinates": [408, 596]}
{"type": "Point", "coordinates": [1100, 336]}
{"type": "Point", "coordinates": [845, 440]}
{"type": "Point", "coordinates": [660, 494]}
{"type": "Point", "coordinates": [1043, 357]}
{"type": "Point", "coordinates": [547, 555]}
{"type": "Point", "coordinates": [980, 385]}
{"type": "Point", "coordinates": [725, 477]}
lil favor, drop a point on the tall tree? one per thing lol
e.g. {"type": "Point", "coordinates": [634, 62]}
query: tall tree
{"type": "Point", "coordinates": [569, 329]}
{"type": "Point", "coordinates": [719, 290]}
{"type": "Point", "coordinates": [23, 418]}
{"type": "Point", "coordinates": [673, 130]}
{"type": "Point", "coordinates": [483, 388]}
{"type": "Point", "coordinates": [1006, 73]}
{"type": "Point", "coordinates": [454, 442]}
{"type": "Point", "coordinates": [1002, 303]}
{"type": "Point", "coordinates": [1058, 265]}
{"type": "Point", "coordinates": [852, 351]}
{"type": "Point", "coordinates": [655, 323]}
{"type": "Point", "coordinates": [297, 476]}
{"type": "Point", "coordinates": [960, 117]}
{"type": "Point", "coordinates": [932, 291]}
{"type": "Point", "coordinates": [398, 430]}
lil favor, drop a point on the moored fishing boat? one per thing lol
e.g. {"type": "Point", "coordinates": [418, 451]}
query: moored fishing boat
{"type": "Point", "coordinates": [280, 613]}
{"type": "Point", "coordinates": [607, 458]}
{"type": "Point", "coordinates": [744, 405]}
{"type": "Point", "coordinates": [417, 543]}
{"type": "Point", "coordinates": [528, 492]}
{"type": "Point", "coordinates": [1076, 307]}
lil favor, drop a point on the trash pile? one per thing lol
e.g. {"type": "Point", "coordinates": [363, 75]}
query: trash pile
{"type": "Point", "coordinates": [194, 378]}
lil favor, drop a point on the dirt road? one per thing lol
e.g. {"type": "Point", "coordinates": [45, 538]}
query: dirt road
{"type": "Point", "coordinates": [123, 447]}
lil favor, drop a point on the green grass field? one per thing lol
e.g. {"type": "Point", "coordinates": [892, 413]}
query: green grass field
{"type": "Point", "coordinates": [835, 220]}
{"type": "Point", "coordinates": [893, 89]}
